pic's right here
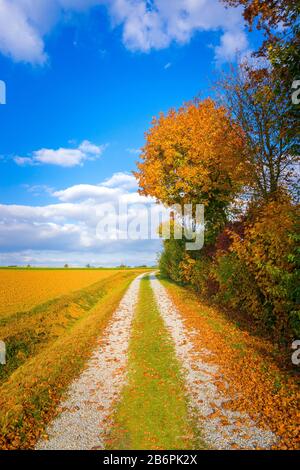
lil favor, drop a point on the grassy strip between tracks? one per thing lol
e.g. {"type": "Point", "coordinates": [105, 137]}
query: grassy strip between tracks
{"type": "Point", "coordinates": [153, 411]}
{"type": "Point", "coordinates": [29, 397]}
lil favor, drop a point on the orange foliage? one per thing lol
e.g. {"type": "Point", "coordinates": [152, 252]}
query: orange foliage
{"type": "Point", "coordinates": [193, 155]}
{"type": "Point", "coordinates": [266, 250]}
{"type": "Point", "coordinates": [250, 365]}
{"type": "Point", "coordinates": [268, 13]}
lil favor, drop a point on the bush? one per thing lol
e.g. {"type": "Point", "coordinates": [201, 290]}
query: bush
{"type": "Point", "coordinates": [237, 287]}
{"type": "Point", "coordinates": [253, 267]}
{"type": "Point", "coordinates": [269, 252]}
{"type": "Point", "coordinates": [171, 259]}
{"type": "Point", "coordinates": [198, 273]}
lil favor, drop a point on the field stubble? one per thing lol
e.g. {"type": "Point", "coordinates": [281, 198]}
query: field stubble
{"type": "Point", "coordinates": [48, 345]}
{"type": "Point", "coordinates": [22, 289]}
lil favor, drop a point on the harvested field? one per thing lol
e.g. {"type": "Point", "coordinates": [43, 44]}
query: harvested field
{"type": "Point", "coordinates": [49, 344]}
{"type": "Point", "coordinates": [22, 289]}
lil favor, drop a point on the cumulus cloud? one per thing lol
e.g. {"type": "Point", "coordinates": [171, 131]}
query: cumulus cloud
{"type": "Point", "coordinates": [19, 38]}
{"type": "Point", "coordinates": [67, 230]}
{"type": "Point", "coordinates": [145, 25]}
{"type": "Point", "coordinates": [121, 180]}
{"type": "Point", "coordinates": [80, 192]}
{"type": "Point", "coordinates": [155, 26]}
{"type": "Point", "coordinates": [64, 157]}
{"type": "Point", "coordinates": [233, 43]}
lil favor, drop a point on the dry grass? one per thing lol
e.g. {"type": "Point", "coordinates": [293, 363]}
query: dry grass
{"type": "Point", "coordinates": [48, 346]}
{"type": "Point", "coordinates": [248, 363]}
{"type": "Point", "coordinates": [21, 290]}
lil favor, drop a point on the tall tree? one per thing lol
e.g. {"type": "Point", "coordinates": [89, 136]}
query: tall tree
{"type": "Point", "coordinates": [194, 156]}
{"type": "Point", "coordinates": [263, 114]}
{"type": "Point", "coordinates": [280, 21]}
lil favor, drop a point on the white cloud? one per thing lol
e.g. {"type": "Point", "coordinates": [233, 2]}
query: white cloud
{"type": "Point", "coordinates": [19, 39]}
{"type": "Point", "coordinates": [23, 161]}
{"type": "Point", "coordinates": [64, 157]}
{"type": "Point", "coordinates": [155, 25]}
{"type": "Point", "coordinates": [86, 191]}
{"type": "Point", "coordinates": [134, 151]}
{"type": "Point", "coordinates": [121, 180]}
{"type": "Point", "coordinates": [132, 257]}
{"type": "Point", "coordinates": [61, 157]}
{"type": "Point", "coordinates": [66, 231]}
{"type": "Point", "coordinates": [38, 189]}
{"type": "Point", "coordinates": [233, 43]}
{"type": "Point", "coordinates": [88, 148]}
{"type": "Point", "coordinates": [145, 25]}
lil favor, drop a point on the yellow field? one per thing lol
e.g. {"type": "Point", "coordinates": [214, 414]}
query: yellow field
{"type": "Point", "coordinates": [50, 321]}
{"type": "Point", "coordinates": [20, 290]}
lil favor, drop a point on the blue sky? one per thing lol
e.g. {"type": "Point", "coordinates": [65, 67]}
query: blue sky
{"type": "Point", "coordinates": [84, 79]}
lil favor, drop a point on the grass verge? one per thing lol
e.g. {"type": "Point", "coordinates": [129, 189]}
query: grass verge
{"type": "Point", "coordinates": [29, 397]}
{"type": "Point", "coordinates": [28, 333]}
{"type": "Point", "coordinates": [265, 392]}
{"type": "Point", "coordinates": [153, 411]}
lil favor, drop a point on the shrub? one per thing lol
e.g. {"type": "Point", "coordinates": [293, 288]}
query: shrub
{"type": "Point", "coordinates": [269, 251]}
{"type": "Point", "coordinates": [254, 267]}
{"type": "Point", "coordinates": [198, 273]}
{"type": "Point", "coordinates": [171, 259]}
{"type": "Point", "coordinates": [237, 287]}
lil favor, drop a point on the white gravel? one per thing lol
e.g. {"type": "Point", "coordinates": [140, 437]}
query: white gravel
{"type": "Point", "coordinates": [204, 397]}
{"type": "Point", "coordinates": [84, 421]}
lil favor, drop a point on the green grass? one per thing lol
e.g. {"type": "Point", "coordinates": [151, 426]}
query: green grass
{"type": "Point", "coordinates": [153, 412]}
{"type": "Point", "coordinates": [30, 395]}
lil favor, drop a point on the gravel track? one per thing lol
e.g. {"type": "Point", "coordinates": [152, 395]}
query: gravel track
{"type": "Point", "coordinates": [84, 420]}
{"type": "Point", "coordinates": [86, 413]}
{"type": "Point", "coordinates": [206, 401]}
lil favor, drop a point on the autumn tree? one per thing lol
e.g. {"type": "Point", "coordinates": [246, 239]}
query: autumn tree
{"type": "Point", "coordinates": [268, 13]}
{"type": "Point", "coordinates": [271, 138]}
{"type": "Point", "coordinates": [194, 155]}
{"type": "Point", "coordinates": [279, 19]}
{"type": "Point", "coordinates": [269, 252]}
